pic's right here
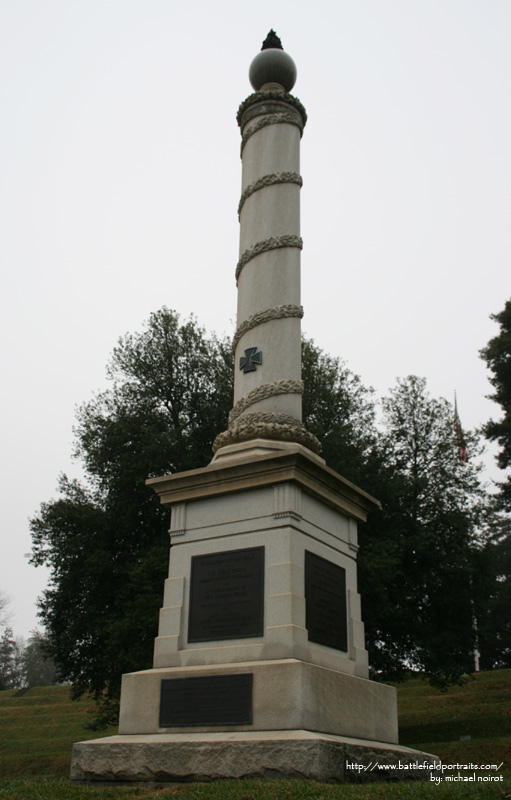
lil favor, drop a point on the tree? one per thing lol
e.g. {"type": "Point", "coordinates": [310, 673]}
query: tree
{"type": "Point", "coordinates": [340, 412]}
{"type": "Point", "coordinates": [495, 630]}
{"type": "Point", "coordinates": [11, 661]}
{"type": "Point", "coordinates": [497, 355]}
{"type": "Point", "coordinates": [105, 539]}
{"type": "Point", "coordinates": [494, 624]}
{"type": "Point", "coordinates": [4, 609]}
{"type": "Point", "coordinates": [427, 541]}
{"type": "Point", "coordinates": [39, 667]}
{"type": "Point", "coordinates": [424, 570]}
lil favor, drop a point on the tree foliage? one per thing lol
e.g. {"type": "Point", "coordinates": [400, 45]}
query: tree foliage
{"type": "Point", "coordinates": [340, 411]}
{"type": "Point", "coordinates": [497, 355]}
{"type": "Point", "coordinates": [39, 666]}
{"type": "Point", "coordinates": [12, 674]}
{"type": "Point", "coordinates": [5, 613]}
{"type": "Point", "coordinates": [419, 601]}
{"type": "Point", "coordinates": [495, 623]}
{"type": "Point", "coordinates": [105, 538]}
{"type": "Point", "coordinates": [25, 664]}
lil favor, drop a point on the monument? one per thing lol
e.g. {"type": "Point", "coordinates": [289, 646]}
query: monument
{"type": "Point", "coordinates": [260, 668]}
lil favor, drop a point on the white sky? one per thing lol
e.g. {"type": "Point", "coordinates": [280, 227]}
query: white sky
{"type": "Point", "coordinates": [119, 183]}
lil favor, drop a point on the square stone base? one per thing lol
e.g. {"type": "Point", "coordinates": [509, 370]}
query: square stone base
{"type": "Point", "coordinates": [179, 758]}
{"type": "Point", "coordinates": [287, 695]}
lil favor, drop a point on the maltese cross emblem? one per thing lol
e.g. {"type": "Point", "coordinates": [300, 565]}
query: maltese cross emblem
{"type": "Point", "coordinates": [249, 362]}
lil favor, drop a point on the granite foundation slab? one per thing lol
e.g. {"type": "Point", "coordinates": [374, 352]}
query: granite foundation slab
{"type": "Point", "coordinates": [180, 758]}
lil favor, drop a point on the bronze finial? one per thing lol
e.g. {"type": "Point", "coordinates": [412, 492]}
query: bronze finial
{"type": "Point", "coordinates": [272, 42]}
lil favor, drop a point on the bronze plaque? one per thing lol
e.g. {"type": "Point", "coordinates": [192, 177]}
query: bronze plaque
{"type": "Point", "coordinates": [227, 595]}
{"type": "Point", "coordinates": [206, 700]}
{"type": "Point", "coordinates": [325, 602]}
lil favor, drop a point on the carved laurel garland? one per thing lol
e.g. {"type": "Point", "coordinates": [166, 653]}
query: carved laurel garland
{"type": "Point", "coordinates": [262, 393]}
{"type": "Point", "coordinates": [289, 117]}
{"type": "Point", "coordinates": [277, 312]}
{"type": "Point", "coordinates": [276, 242]}
{"type": "Point", "coordinates": [266, 425]}
{"type": "Point", "coordinates": [264, 109]}
{"type": "Point", "coordinates": [269, 180]}
{"type": "Point", "coordinates": [272, 94]}
{"type": "Point", "coordinates": [268, 417]}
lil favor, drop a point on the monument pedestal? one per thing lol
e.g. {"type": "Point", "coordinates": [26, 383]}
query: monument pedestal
{"type": "Point", "coordinates": [259, 666]}
{"type": "Point", "coordinates": [280, 695]}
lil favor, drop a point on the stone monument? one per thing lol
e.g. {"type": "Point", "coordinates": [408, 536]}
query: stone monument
{"type": "Point", "coordinates": [260, 668]}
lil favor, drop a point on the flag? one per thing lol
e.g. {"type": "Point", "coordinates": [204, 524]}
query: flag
{"type": "Point", "coordinates": [458, 432]}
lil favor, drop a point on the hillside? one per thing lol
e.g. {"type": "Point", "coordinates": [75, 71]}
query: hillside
{"type": "Point", "coordinates": [468, 723]}
{"type": "Point", "coordinates": [38, 728]}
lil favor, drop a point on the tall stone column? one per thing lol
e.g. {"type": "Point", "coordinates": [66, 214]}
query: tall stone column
{"type": "Point", "coordinates": [267, 344]}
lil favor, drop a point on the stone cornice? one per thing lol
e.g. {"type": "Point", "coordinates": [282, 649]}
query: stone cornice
{"type": "Point", "coordinates": [292, 465]}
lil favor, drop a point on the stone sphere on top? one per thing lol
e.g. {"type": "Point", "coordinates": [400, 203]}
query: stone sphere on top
{"type": "Point", "coordinates": [272, 65]}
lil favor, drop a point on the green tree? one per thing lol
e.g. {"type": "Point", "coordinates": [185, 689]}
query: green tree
{"type": "Point", "coordinates": [424, 572]}
{"type": "Point", "coordinates": [495, 624]}
{"type": "Point", "coordinates": [340, 411]}
{"type": "Point", "coordinates": [420, 603]}
{"type": "Point", "coordinates": [39, 667]}
{"type": "Point", "coordinates": [105, 539]}
{"type": "Point", "coordinates": [497, 355]}
{"type": "Point", "coordinates": [12, 674]}
{"type": "Point", "coordinates": [494, 618]}
{"type": "Point", "coordinates": [4, 609]}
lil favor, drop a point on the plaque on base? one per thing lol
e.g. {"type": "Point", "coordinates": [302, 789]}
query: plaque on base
{"type": "Point", "coordinates": [227, 595]}
{"type": "Point", "coordinates": [207, 700]}
{"type": "Point", "coordinates": [325, 602]}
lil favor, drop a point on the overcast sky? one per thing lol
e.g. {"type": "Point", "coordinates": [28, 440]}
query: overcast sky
{"type": "Point", "coordinates": [120, 178]}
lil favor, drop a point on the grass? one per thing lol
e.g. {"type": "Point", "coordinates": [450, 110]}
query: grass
{"type": "Point", "coordinates": [468, 723]}
{"type": "Point", "coordinates": [249, 790]}
{"type": "Point", "coordinates": [37, 731]}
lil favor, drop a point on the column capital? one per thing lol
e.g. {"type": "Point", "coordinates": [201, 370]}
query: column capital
{"type": "Point", "coordinates": [267, 102]}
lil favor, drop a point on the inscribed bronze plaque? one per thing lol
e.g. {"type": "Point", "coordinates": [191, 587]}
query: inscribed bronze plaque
{"type": "Point", "coordinates": [207, 700]}
{"type": "Point", "coordinates": [325, 602]}
{"type": "Point", "coordinates": [226, 595]}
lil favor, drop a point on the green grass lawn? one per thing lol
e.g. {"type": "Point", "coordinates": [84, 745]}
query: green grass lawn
{"type": "Point", "coordinates": [469, 723]}
{"type": "Point", "coordinates": [248, 790]}
{"type": "Point", "coordinates": [37, 731]}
